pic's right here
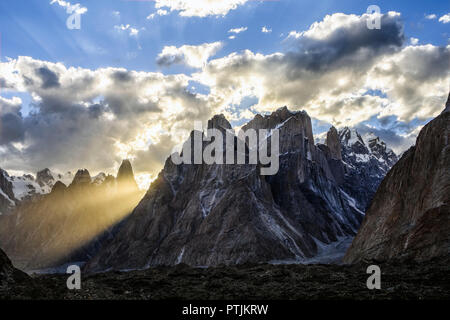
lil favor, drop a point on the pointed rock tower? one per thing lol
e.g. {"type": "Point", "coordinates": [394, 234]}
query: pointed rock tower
{"type": "Point", "coordinates": [125, 176]}
{"type": "Point", "coordinates": [334, 143]}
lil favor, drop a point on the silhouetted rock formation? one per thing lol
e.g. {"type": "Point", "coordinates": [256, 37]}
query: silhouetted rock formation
{"type": "Point", "coordinates": [69, 223]}
{"type": "Point", "coordinates": [125, 176]}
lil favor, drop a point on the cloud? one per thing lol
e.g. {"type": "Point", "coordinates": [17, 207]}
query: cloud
{"type": "Point", "coordinates": [415, 80]}
{"type": "Point", "coordinates": [192, 56]}
{"type": "Point", "coordinates": [200, 8]}
{"type": "Point", "coordinates": [399, 142]}
{"type": "Point", "coordinates": [11, 124]}
{"type": "Point", "coordinates": [430, 16]}
{"type": "Point", "coordinates": [94, 118]}
{"type": "Point", "coordinates": [133, 32]}
{"type": "Point", "coordinates": [445, 18]}
{"type": "Point", "coordinates": [49, 78]}
{"type": "Point", "coordinates": [237, 30]}
{"type": "Point", "coordinates": [70, 7]}
{"type": "Point", "coordinates": [266, 30]}
{"type": "Point", "coordinates": [414, 41]}
{"type": "Point", "coordinates": [339, 71]}
{"type": "Point", "coordinates": [159, 12]}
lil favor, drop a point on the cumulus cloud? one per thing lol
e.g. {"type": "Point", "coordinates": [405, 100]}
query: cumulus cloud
{"type": "Point", "coordinates": [76, 8]}
{"type": "Point", "coordinates": [321, 65]}
{"type": "Point", "coordinates": [445, 18]}
{"type": "Point", "coordinates": [237, 30]}
{"type": "Point", "coordinates": [133, 32]}
{"type": "Point", "coordinates": [200, 8]}
{"type": "Point", "coordinates": [340, 72]}
{"type": "Point", "coordinates": [414, 41]}
{"type": "Point", "coordinates": [266, 30]}
{"type": "Point", "coordinates": [192, 56]}
{"type": "Point", "coordinates": [430, 16]}
{"type": "Point", "coordinates": [159, 12]}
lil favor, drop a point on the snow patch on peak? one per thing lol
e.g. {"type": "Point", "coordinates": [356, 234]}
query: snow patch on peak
{"type": "Point", "coordinates": [349, 137]}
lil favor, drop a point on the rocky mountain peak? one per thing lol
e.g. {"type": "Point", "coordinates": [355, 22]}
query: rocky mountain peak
{"type": "Point", "coordinates": [82, 177]}
{"type": "Point", "coordinates": [58, 187]}
{"type": "Point", "coordinates": [44, 177]}
{"type": "Point", "coordinates": [125, 170]}
{"type": "Point", "coordinates": [292, 125]}
{"type": "Point", "coordinates": [367, 160]}
{"type": "Point", "coordinates": [125, 174]}
{"type": "Point", "coordinates": [351, 137]}
{"type": "Point", "coordinates": [333, 142]}
{"type": "Point", "coordinates": [219, 122]}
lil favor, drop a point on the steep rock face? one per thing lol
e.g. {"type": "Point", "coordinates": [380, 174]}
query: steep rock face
{"type": "Point", "coordinates": [366, 161]}
{"type": "Point", "coordinates": [69, 223]}
{"type": "Point", "coordinates": [7, 199]}
{"type": "Point", "coordinates": [334, 143]}
{"type": "Point", "coordinates": [205, 215]}
{"type": "Point", "coordinates": [409, 216]}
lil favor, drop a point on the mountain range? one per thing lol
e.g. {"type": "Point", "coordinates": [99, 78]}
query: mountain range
{"type": "Point", "coordinates": [70, 222]}
{"type": "Point", "coordinates": [206, 215]}
{"type": "Point", "coordinates": [209, 215]}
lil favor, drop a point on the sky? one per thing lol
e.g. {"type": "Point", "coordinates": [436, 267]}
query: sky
{"type": "Point", "coordinates": [130, 80]}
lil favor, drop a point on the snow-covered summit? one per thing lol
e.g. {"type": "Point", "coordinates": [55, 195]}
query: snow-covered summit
{"type": "Point", "coordinates": [14, 189]}
{"type": "Point", "coordinates": [367, 147]}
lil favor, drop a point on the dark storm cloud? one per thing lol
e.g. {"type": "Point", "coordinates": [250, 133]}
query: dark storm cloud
{"type": "Point", "coordinates": [168, 60]}
{"type": "Point", "coordinates": [122, 76]}
{"type": "Point", "coordinates": [11, 128]}
{"type": "Point", "coordinates": [49, 78]}
{"type": "Point", "coordinates": [347, 45]}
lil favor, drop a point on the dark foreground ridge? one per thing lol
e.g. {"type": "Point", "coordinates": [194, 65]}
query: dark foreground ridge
{"type": "Point", "coordinates": [406, 281]}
